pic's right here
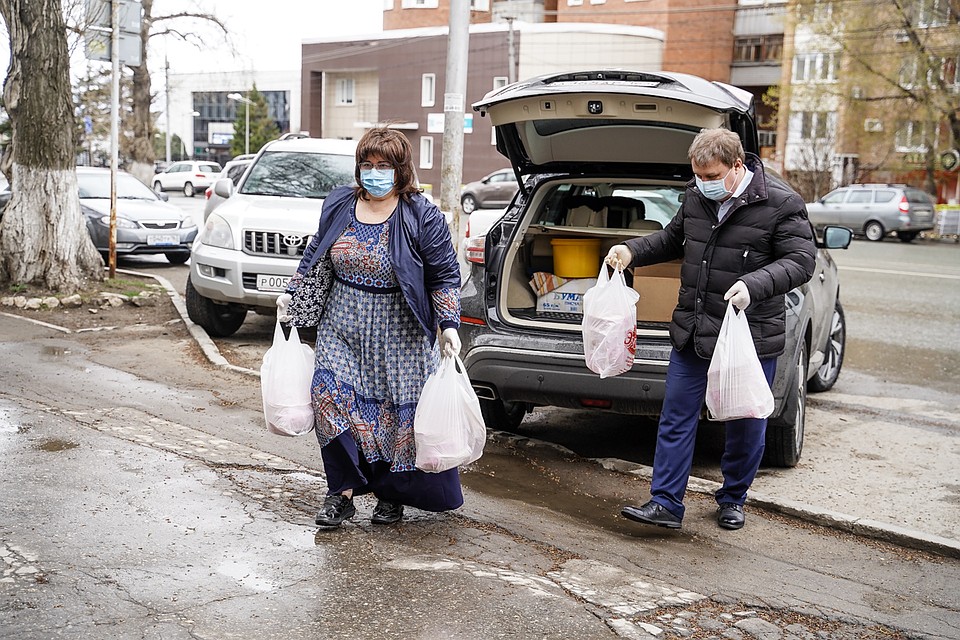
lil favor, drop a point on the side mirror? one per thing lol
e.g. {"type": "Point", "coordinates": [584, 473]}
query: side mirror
{"type": "Point", "coordinates": [223, 187]}
{"type": "Point", "coordinates": [837, 237]}
{"type": "Point", "coordinates": [163, 195]}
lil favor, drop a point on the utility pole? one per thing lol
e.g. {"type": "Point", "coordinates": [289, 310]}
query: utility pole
{"type": "Point", "coordinates": [454, 103]}
{"type": "Point", "coordinates": [166, 109]}
{"type": "Point", "coordinates": [511, 52]}
{"type": "Point", "coordinates": [114, 130]}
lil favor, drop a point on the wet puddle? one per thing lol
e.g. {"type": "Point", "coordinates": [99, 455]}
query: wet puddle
{"type": "Point", "coordinates": [54, 351]}
{"type": "Point", "coordinates": [55, 444]}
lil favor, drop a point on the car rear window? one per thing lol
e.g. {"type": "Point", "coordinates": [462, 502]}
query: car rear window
{"type": "Point", "coordinates": [210, 168]}
{"type": "Point", "coordinates": [298, 174]}
{"type": "Point", "coordinates": [916, 195]}
{"type": "Point", "coordinates": [884, 195]}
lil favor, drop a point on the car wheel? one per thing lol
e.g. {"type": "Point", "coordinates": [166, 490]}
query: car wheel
{"type": "Point", "coordinates": [503, 416]}
{"type": "Point", "coordinates": [907, 236]}
{"type": "Point", "coordinates": [874, 231]}
{"type": "Point", "coordinates": [833, 351]}
{"type": "Point", "coordinates": [468, 203]}
{"type": "Point", "coordinates": [218, 320]}
{"type": "Point", "coordinates": [177, 257]}
{"type": "Point", "coordinates": [188, 190]}
{"type": "Point", "coordinates": [785, 432]}
{"type": "Point", "coordinates": [157, 187]}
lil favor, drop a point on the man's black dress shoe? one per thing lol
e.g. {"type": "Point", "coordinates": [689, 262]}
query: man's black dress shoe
{"type": "Point", "coordinates": [386, 512]}
{"type": "Point", "coordinates": [335, 510]}
{"type": "Point", "coordinates": [730, 515]}
{"type": "Point", "coordinates": [652, 513]}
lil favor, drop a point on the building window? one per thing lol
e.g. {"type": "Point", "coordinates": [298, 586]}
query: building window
{"type": "Point", "coordinates": [768, 48]}
{"type": "Point", "coordinates": [574, 3]}
{"type": "Point", "coordinates": [387, 5]}
{"type": "Point", "coordinates": [911, 136]}
{"type": "Point", "coordinates": [419, 4]}
{"type": "Point", "coordinates": [598, 1]}
{"type": "Point", "coordinates": [428, 90]}
{"type": "Point", "coordinates": [345, 91]}
{"type": "Point", "coordinates": [951, 75]}
{"type": "Point", "coordinates": [812, 125]}
{"type": "Point", "coordinates": [479, 5]}
{"type": "Point", "coordinates": [815, 67]}
{"type": "Point", "coordinates": [814, 11]}
{"type": "Point", "coordinates": [426, 152]}
{"type": "Point", "coordinates": [930, 13]}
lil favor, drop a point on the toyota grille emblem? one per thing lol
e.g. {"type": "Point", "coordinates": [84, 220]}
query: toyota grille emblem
{"type": "Point", "coordinates": [292, 241]}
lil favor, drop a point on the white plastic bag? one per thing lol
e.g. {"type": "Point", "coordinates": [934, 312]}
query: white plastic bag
{"type": "Point", "coordinates": [610, 324]}
{"type": "Point", "coordinates": [736, 385]}
{"type": "Point", "coordinates": [448, 428]}
{"type": "Point", "coordinates": [286, 376]}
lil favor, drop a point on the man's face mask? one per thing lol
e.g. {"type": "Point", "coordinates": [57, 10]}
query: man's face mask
{"type": "Point", "coordinates": [714, 189]}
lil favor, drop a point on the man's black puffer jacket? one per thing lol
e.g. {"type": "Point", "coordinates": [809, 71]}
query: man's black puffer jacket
{"type": "Point", "coordinates": [764, 240]}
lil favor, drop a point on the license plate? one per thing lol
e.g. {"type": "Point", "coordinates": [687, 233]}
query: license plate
{"type": "Point", "coordinates": [271, 283]}
{"type": "Point", "coordinates": [159, 239]}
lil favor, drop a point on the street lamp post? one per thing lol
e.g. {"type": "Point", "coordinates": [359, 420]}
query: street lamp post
{"type": "Point", "coordinates": [247, 102]}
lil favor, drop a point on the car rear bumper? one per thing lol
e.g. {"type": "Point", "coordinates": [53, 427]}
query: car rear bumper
{"type": "Point", "coordinates": [563, 380]}
{"type": "Point", "coordinates": [227, 275]}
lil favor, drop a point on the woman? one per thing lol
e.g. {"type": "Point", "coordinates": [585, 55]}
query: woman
{"type": "Point", "coordinates": [379, 280]}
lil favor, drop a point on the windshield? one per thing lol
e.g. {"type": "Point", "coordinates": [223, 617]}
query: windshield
{"type": "Point", "coordinates": [97, 185]}
{"type": "Point", "coordinates": [297, 174]}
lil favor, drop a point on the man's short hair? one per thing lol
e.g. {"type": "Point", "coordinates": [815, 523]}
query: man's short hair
{"type": "Point", "coordinates": [720, 145]}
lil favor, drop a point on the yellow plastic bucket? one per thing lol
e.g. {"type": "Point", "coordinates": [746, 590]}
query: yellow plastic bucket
{"type": "Point", "coordinates": [576, 257]}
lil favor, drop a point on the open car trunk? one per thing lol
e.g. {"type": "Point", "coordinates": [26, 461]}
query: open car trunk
{"type": "Point", "coordinates": [556, 251]}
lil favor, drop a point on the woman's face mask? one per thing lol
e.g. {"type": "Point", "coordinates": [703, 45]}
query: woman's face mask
{"type": "Point", "coordinates": [378, 182]}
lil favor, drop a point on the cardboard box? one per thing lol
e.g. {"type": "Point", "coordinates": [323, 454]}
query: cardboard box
{"type": "Point", "coordinates": [658, 286]}
{"type": "Point", "coordinates": [658, 298]}
{"type": "Point", "coordinates": [567, 298]}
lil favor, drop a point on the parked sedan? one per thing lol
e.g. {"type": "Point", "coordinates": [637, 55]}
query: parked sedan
{"type": "Point", "coordinates": [187, 176]}
{"type": "Point", "coordinates": [590, 183]}
{"type": "Point", "coordinates": [234, 169]}
{"type": "Point", "coordinates": [492, 191]}
{"type": "Point", "coordinates": [146, 223]}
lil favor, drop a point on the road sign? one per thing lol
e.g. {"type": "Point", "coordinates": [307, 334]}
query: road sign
{"type": "Point", "coordinates": [97, 34]}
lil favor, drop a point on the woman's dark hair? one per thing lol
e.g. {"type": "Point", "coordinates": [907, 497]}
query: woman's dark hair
{"type": "Point", "coordinates": [393, 147]}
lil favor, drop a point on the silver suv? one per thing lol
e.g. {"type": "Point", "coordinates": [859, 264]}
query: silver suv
{"type": "Point", "coordinates": [603, 155]}
{"type": "Point", "coordinates": [252, 243]}
{"type": "Point", "coordinates": [875, 210]}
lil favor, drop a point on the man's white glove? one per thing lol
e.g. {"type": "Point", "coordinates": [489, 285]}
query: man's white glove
{"type": "Point", "coordinates": [450, 342]}
{"type": "Point", "coordinates": [738, 295]}
{"type": "Point", "coordinates": [619, 257]}
{"type": "Point", "coordinates": [283, 301]}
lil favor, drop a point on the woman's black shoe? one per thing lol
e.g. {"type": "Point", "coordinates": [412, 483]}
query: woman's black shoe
{"type": "Point", "coordinates": [335, 510]}
{"type": "Point", "coordinates": [386, 512]}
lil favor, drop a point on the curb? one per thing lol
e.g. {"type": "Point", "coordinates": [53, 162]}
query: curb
{"type": "Point", "coordinates": [865, 527]}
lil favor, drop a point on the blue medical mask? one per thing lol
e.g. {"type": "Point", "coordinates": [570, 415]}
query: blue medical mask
{"type": "Point", "coordinates": [378, 182]}
{"type": "Point", "coordinates": [714, 189]}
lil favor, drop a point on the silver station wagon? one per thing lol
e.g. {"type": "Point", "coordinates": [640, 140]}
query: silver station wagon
{"type": "Point", "coordinates": [875, 210]}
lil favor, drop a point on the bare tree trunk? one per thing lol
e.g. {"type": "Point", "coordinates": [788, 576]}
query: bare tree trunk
{"type": "Point", "coordinates": [43, 237]}
{"type": "Point", "coordinates": [142, 154]}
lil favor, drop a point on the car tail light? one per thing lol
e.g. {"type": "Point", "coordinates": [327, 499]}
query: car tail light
{"type": "Point", "coordinates": [207, 193]}
{"type": "Point", "coordinates": [904, 205]}
{"type": "Point", "coordinates": [473, 249]}
{"type": "Point", "coordinates": [596, 403]}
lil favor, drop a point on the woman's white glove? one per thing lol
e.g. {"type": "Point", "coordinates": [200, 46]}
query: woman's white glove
{"type": "Point", "coordinates": [738, 295]}
{"type": "Point", "coordinates": [619, 257]}
{"type": "Point", "coordinates": [450, 342]}
{"type": "Point", "coordinates": [283, 301]}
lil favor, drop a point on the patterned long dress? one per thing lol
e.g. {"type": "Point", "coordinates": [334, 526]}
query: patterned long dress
{"type": "Point", "coordinates": [372, 360]}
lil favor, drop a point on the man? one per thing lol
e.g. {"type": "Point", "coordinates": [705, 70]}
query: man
{"type": "Point", "coordinates": [744, 238]}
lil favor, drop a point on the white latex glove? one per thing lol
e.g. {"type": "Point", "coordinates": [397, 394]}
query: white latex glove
{"type": "Point", "coordinates": [283, 301]}
{"type": "Point", "coordinates": [738, 295]}
{"type": "Point", "coordinates": [619, 257]}
{"type": "Point", "coordinates": [450, 342]}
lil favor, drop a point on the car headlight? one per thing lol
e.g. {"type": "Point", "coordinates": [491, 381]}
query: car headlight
{"type": "Point", "coordinates": [122, 223]}
{"type": "Point", "coordinates": [217, 233]}
{"type": "Point", "coordinates": [187, 222]}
